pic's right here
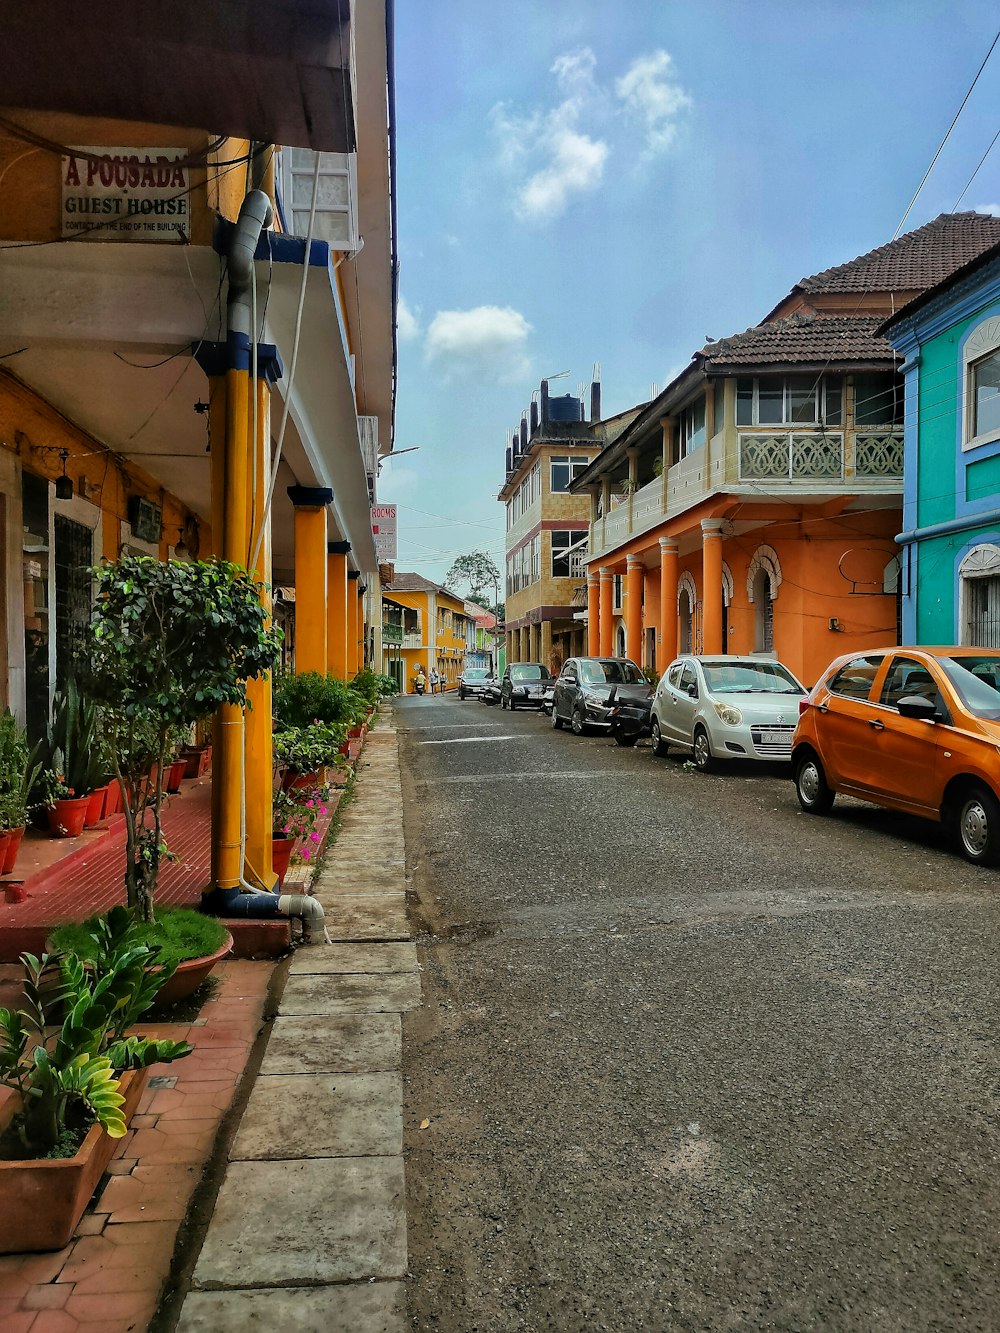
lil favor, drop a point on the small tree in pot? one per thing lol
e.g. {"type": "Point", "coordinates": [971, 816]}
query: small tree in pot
{"type": "Point", "coordinates": [169, 643]}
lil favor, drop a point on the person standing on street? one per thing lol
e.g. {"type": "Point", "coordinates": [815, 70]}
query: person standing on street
{"type": "Point", "coordinates": [435, 680]}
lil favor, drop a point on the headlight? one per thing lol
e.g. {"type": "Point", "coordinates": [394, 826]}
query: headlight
{"type": "Point", "coordinates": [728, 714]}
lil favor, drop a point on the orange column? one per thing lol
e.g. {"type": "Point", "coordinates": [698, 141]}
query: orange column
{"type": "Point", "coordinates": [668, 601]}
{"type": "Point", "coordinates": [711, 565]}
{"type": "Point", "coordinates": [633, 609]}
{"type": "Point", "coordinates": [336, 567]}
{"type": "Point", "coordinates": [607, 612]}
{"type": "Point", "coordinates": [593, 612]}
{"type": "Point", "coordinates": [353, 633]}
{"type": "Point", "coordinates": [310, 576]}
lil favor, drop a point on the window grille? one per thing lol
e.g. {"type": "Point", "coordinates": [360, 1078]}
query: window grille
{"type": "Point", "coordinates": [983, 603]}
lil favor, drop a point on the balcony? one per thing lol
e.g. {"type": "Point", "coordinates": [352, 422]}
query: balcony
{"type": "Point", "coordinates": [413, 639]}
{"type": "Point", "coordinates": [392, 633]}
{"type": "Point", "coordinates": [872, 455]}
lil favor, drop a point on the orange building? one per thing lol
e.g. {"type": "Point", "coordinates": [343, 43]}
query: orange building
{"type": "Point", "coordinates": [753, 505]}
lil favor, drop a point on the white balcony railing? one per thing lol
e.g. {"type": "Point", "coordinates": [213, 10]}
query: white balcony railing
{"type": "Point", "coordinates": [413, 640]}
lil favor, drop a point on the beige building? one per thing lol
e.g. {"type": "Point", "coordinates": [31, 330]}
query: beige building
{"type": "Point", "coordinates": [547, 526]}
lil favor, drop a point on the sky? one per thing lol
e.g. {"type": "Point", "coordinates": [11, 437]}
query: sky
{"type": "Point", "coordinates": [584, 182]}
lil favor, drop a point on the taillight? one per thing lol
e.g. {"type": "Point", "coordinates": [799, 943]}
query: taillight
{"type": "Point", "coordinates": [803, 705]}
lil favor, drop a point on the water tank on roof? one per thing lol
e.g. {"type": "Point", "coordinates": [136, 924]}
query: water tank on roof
{"type": "Point", "coordinates": [565, 408]}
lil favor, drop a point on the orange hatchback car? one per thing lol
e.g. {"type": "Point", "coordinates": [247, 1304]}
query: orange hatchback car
{"type": "Point", "coordinates": [913, 729]}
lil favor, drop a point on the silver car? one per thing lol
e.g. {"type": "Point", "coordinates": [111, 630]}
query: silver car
{"type": "Point", "coordinates": [726, 707]}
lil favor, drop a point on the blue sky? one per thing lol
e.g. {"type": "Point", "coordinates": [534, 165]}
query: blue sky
{"type": "Point", "coordinates": [585, 182]}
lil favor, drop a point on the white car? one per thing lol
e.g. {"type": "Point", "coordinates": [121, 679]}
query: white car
{"type": "Point", "coordinates": [726, 707]}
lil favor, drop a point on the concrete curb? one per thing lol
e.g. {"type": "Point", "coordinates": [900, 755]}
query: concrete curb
{"type": "Point", "coordinates": [309, 1228]}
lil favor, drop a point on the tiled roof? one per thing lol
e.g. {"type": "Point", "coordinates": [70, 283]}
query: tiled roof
{"type": "Point", "coordinates": [804, 338]}
{"type": "Point", "coordinates": [414, 583]}
{"type": "Point", "coordinates": [917, 260]}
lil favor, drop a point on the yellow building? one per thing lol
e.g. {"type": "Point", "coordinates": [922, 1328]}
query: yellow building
{"type": "Point", "coordinates": [197, 345]}
{"type": "Point", "coordinates": [434, 631]}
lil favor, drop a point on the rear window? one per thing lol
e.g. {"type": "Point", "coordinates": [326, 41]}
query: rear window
{"type": "Point", "coordinates": [854, 679]}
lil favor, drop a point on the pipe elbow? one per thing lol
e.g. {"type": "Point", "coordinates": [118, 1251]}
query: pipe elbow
{"type": "Point", "coordinates": [255, 214]}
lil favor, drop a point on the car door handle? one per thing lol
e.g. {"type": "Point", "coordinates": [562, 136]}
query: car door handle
{"type": "Point", "coordinates": [876, 725]}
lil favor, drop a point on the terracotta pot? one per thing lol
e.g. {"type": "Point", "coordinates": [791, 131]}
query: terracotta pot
{"type": "Point", "coordinates": [66, 818]}
{"type": "Point", "coordinates": [95, 806]}
{"type": "Point", "coordinates": [197, 759]}
{"type": "Point", "coordinates": [355, 733]}
{"type": "Point", "coordinates": [190, 974]}
{"type": "Point", "coordinates": [281, 854]}
{"type": "Point", "coordinates": [112, 798]}
{"type": "Point", "coordinates": [14, 891]}
{"type": "Point", "coordinates": [294, 781]}
{"type": "Point", "coordinates": [13, 847]}
{"type": "Point", "coordinates": [4, 844]}
{"type": "Point", "coordinates": [174, 773]}
{"type": "Point", "coordinates": [43, 1200]}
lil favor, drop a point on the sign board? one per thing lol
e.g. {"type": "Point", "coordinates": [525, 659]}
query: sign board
{"type": "Point", "coordinates": [126, 194]}
{"type": "Point", "coordinates": [384, 532]}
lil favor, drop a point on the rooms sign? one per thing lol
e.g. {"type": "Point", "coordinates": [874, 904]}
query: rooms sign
{"type": "Point", "coordinates": [126, 194]}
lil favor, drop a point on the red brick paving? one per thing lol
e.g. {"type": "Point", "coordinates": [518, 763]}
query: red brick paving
{"type": "Point", "coordinates": [112, 1274]}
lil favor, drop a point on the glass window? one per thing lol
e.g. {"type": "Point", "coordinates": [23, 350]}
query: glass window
{"type": "Point", "coordinates": [528, 671]}
{"type": "Point", "coordinates": [854, 680]}
{"type": "Point", "coordinates": [749, 678]}
{"type": "Point", "coordinates": [688, 678]}
{"type": "Point", "coordinates": [744, 402]}
{"type": "Point", "coordinates": [976, 677]}
{"type": "Point", "coordinates": [986, 395]}
{"type": "Point", "coordinates": [770, 402]}
{"type": "Point", "coordinates": [906, 677]}
{"type": "Point", "coordinates": [674, 674]}
{"type": "Point", "coordinates": [878, 399]}
{"type": "Point", "coordinates": [833, 411]}
{"type": "Point", "coordinates": [692, 427]}
{"type": "Point", "coordinates": [802, 393]}
{"type": "Point", "coordinates": [562, 560]}
{"type": "Point", "coordinates": [559, 474]}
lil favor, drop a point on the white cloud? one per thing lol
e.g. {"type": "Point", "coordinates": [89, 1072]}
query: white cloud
{"type": "Point", "coordinates": [486, 340]}
{"type": "Point", "coordinates": [993, 209]}
{"type": "Point", "coordinates": [396, 482]}
{"type": "Point", "coordinates": [567, 161]}
{"type": "Point", "coordinates": [407, 324]}
{"type": "Point", "coordinates": [651, 94]}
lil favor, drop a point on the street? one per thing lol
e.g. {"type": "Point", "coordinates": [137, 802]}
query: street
{"type": "Point", "coordinates": [688, 1059]}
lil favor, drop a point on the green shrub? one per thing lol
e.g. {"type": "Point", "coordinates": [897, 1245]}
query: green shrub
{"type": "Point", "coordinates": [177, 934]}
{"type": "Point", "coordinates": [300, 700]}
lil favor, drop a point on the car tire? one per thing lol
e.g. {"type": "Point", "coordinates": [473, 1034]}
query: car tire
{"type": "Point", "coordinates": [811, 787]}
{"type": "Point", "coordinates": [660, 746]}
{"type": "Point", "coordinates": [577, 723]}
{"type": "Point", "coordinates": [626, 740]}
{"type": "Point", "coordinates": [701, 751]}
{"type": "Point", "coordinates": [977, 826]}
{"type": "Point", "coordinates": [554, 719]}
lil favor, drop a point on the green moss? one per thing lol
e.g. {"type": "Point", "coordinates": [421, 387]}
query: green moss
{"type": "Point", "coordinates": [180, 933]}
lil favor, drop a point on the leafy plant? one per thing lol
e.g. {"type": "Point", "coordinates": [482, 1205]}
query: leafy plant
{"type": "Point", "coordinates": [170, 642]}
{"type": "Point", "coordinates": [178, 933]}
{"type": "Point", "coordinates": [296, 816]}
{"type": "Point", "coordinates": [300, 700]}
{"type": "Point", "coordinates": [373, 687]}
{"type": "Point", "coordinates": [73, 747]}
{"type": "Point", "coordinates": [310, 748]}
{"type": "Point", "coordinates": [68, 1076]}
{"type": "Point", "coordinates": [20, 768]}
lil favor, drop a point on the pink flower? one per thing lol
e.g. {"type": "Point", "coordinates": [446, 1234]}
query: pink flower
{"type": "Point", "coordinates": [314, 837]}
{"type": "Point", "coordinates": [305, 853]}
{"type": "Point", "coordinates": [322, 810]}
{"type": "Point", "coordinates": [310, 804]}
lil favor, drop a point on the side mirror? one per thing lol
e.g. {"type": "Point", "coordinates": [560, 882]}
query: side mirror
{"type": "Point", "coordinates": [918, 706]}
{"type": "Point", "coordinates": [692, 691]}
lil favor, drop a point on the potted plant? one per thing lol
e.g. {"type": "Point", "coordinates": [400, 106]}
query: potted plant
{"type": "Point", "coordinates": [170, 642]}
{"type": "Point", "coordinates": [295, 819]}
{"type": "Point", "coordinates": [19, 771]}
{"type": "Point", "coordinates": [304, 752]}
{"type": "Point", "coordinates": [73, 761]}
{"type": "Point", "coordinates": [75, 1082]}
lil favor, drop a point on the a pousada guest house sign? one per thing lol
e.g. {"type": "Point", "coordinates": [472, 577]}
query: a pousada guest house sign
{"type": "Point", "coordinates": [126, 194]}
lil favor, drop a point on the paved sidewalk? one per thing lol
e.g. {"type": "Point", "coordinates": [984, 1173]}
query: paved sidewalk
{"type": "Point", "coordinates": [309, 1229]}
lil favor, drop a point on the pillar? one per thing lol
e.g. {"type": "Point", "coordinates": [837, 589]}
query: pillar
{"type": "Point", "coordinates": [258, 772]}
{"type": "Point", "coordinates": [711, 566]}
{"type": "Point", "coordinates": [545, 647]}
{"type": "Point", "coordinates": [310, 576]}
{"type": "Point", "coordinates": [509, 646]}
{"type": "Point", "coordinates": [607, 612]}
{"type": "Point", "coordinates": [353, 619]}
{"type": "Point", "coordinates": [668, 601]}
{"type": "Point", "coordinates": [524, 645]}
{"type": "Point", "coordinates": [593, 612]}
{"type": "Point", "coordinates": [336, 608]}
{"type": "Point", "coordinates": [633, 609]}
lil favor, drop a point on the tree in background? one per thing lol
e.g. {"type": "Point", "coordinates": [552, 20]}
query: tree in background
{"type": "Point", "coordinates": [478, 571]}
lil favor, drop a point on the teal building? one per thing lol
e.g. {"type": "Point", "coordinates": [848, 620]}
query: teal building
{"type": "Point", "coordinates": [950, 544]}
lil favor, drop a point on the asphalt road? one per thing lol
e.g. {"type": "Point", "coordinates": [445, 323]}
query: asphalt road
{"type": "Point", "coordinates": [691, 1060]}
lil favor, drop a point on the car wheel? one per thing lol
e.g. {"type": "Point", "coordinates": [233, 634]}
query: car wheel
{"type": "Point", "coordinates": [815, 796]}
{"type": "Point", "coordinates": [577, 722]}
{"type": "Point", "coordinates": [626, 739]}
{"type": "Point", "coordinates": [659, 745]}
{"type": "Point", "coordinates": [978, 826]}
{"type": "Point", "coordinates": [702, 751]}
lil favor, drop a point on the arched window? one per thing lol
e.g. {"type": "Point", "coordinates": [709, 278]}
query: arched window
{"type": "Point", "coordinates": [763, 578]}
{"type": "Point", "coordinates": [687, 600]}
{"type": "Point", "coordinates": [979, 596]}
{"type": "Point", "coordinates": [727, 597]}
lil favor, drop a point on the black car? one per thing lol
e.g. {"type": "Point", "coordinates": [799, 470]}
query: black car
{"type": "Point", "coordinates": [523, 685]}
{"type": "Point", "coordinates": [473, 682]}
{"type": "Point", "coordinates": [591, 691]}
{"type": "Point", "coordinates": [630, 718]}
{"type": "Point", "coordinates": [491, 691]}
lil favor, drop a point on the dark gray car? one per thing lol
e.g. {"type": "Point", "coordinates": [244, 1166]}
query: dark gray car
{"type": "Point", "coordinates": [590, 688]}
{"type": "Point", "coordinates": [523, 685]}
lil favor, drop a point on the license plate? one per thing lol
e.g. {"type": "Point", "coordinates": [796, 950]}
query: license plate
{"type": "Point", "coordinates": [775, 738]}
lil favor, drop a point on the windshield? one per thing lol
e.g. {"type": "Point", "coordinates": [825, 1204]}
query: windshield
{"type": "Point", "coordinates": [476, 673]}
{"type": "Point", "coordinates": [610, 672]}
{"type": "Point", "coordinates": [749, 678]}
{"type": "Point", "coordinates": [529, 671]}
{"type": "Point", "coordinates": [977, 680]}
